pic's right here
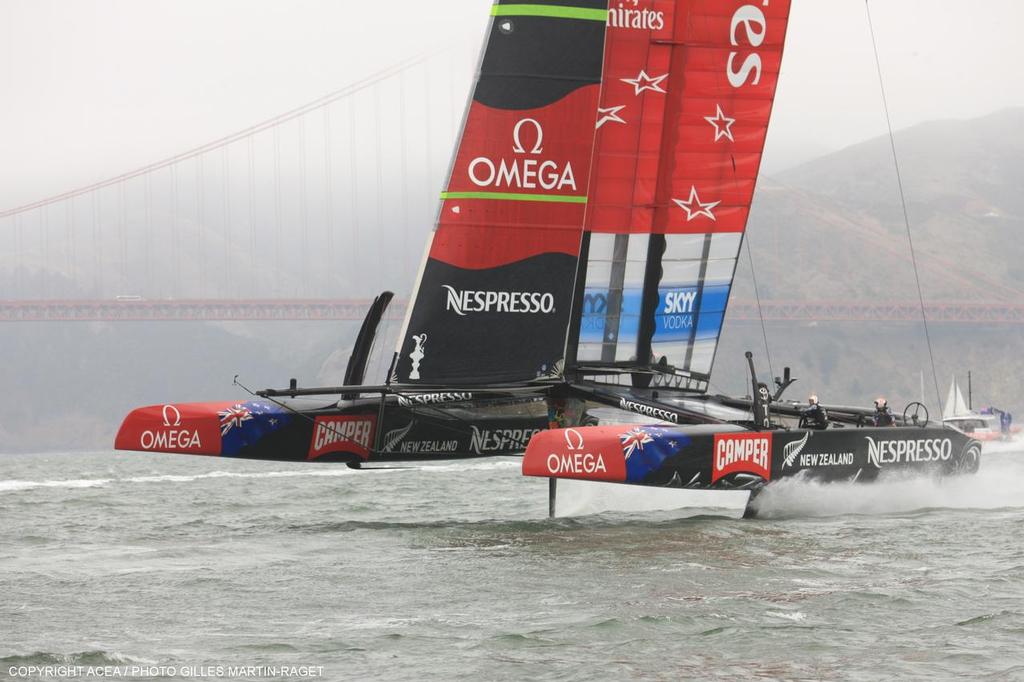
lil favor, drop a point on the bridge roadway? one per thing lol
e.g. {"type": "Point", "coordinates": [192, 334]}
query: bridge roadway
{"type": "Point", "coordinates": [173, 310]}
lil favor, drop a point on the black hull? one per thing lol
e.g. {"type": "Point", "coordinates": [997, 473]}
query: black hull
{"type": "Point", "coordinates": [847, 454]}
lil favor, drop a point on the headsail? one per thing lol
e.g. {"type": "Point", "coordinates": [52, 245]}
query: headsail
{"type": "Point", "coordinates": [687, 92]}
{"type": "Point", "coordinates": [494, 296]}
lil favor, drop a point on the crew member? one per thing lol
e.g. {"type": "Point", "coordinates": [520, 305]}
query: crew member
{"type": "Point", "coordinates": [814, 415]}
{"type": "Point", "coordinates": [1005, 422]}
{"type": "Point", "coordinates": [882, 416]}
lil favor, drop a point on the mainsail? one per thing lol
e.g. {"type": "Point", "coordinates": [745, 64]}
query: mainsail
{"type": "Point", "coordinates": [494, 296]}
{"type": "Point", "coordinates": [687, 92]}
{"type": "Point", "coordinates": [955, 405]}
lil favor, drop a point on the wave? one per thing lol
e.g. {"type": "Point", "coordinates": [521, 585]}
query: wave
{"type": "Point", "coordinates": [476, 466]}
{"type": "Point", "coordinates": [20, 485]}
{"type": "Point", "coordinates": [95, 658]}
{"type": "Point", "coordinates": [16, 485]}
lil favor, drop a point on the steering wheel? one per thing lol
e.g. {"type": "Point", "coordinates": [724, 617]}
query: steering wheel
{"type": "Point", "coordinates": [912, 414]}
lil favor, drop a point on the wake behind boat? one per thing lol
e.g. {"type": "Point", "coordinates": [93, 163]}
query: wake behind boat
{"type": "Point", "coordinates": [583, 257]}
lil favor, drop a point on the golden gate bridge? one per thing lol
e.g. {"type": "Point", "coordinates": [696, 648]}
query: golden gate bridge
{"type": "Point", "coordinates": [304, 216]}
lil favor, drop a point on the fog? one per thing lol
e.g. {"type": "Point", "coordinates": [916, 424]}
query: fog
{"type": "Point", "coordinates": [90, 89]}
{"type": "Point", "coordinates": [338, 202]}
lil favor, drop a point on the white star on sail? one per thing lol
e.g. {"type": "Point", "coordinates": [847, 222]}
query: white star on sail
{"type": "Point", "coordinates": [645, 82]}
{"type": "Point", "coordinates": [704, 208]}
{"type": "Point", "coordinates": [722, 123]}
{"type": "Point", "coordinates": [610, 115]}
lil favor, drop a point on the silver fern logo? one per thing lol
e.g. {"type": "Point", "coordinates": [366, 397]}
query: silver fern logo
{"type": "Point", "coordinates": [395, 436]}
{"type": "Point", "coordinates": [792, 450]}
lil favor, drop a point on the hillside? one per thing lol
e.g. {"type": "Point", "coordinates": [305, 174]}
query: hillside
{"type": "Point", "coordinates": [841, 214]}
{"type": "Point", "coordinates": [832, 229]}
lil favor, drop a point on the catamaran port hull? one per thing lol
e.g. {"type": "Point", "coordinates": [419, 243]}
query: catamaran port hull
{"type": "Point", "coordinates": [352, 431]}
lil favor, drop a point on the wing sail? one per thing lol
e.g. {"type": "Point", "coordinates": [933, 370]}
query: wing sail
{"type": "Point", "coordinates": [687, 93]}
{"type": "Point", "coordinates": [494, 297]}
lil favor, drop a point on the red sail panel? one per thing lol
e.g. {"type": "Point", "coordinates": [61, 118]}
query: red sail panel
{"type": "Point", "coordinates": [687, 92]}
{"type": "Point", "coordinates": [518, 184]}
{"type": "Point", "coordinates": [683, 116]}
{"type": "Point", "coordinates": [494, 298]}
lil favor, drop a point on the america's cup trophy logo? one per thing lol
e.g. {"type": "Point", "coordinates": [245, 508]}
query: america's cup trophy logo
{"type": "Point", "coordinates": [417, 354]}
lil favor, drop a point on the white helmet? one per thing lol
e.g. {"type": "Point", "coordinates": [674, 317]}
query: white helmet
{"type": "Point", "coordinates": [812, 399]}
{"type": "Point", "coordinates": [880, 403]}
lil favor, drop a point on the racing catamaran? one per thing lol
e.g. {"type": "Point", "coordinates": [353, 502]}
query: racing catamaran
{"type": "Point", "coordinates": [990, 424]}
{"type": "Point", "coordinates": [583, 256]}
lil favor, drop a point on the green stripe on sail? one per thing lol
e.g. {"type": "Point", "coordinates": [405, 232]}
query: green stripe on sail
{"type": "Point", "coordinates": [558, 11]}
{"type": "Point", "coordinates": [516, 196]}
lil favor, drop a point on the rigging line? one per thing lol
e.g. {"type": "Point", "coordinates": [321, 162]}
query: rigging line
{"type": "Point", "coordinates": [760, 313]}
{"type": "Point", "coordinates": [903, 204]}
{"type": "Point", "coordinates": [435, 410]}
{"type": "Point", "coordinates": [311, 418]}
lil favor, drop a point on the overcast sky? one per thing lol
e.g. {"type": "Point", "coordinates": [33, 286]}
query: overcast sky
{"type": "Point", "coordinates": [90, 88]}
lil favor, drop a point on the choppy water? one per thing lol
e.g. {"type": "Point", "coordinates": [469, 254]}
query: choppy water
{"type": "Point", "coordinates": [452, 571]}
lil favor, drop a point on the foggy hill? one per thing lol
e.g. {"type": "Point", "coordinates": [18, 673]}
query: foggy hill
{"type": "Point", "coordinates": [833, 228]}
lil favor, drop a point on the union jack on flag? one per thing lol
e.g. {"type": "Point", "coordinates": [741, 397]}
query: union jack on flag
{"type": "Point", "coordinates": [634, 440]}
{"type": "Point", "coordinates": [232, 417]}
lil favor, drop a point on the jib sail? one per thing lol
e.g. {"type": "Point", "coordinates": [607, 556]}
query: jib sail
{"type": "Point", "coordinates": [687, 92]}
{"type": "Point", "coordinates": [494, 296]}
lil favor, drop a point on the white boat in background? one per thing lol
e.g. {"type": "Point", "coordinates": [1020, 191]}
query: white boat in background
{"type": "Point", "coordinates": [985, 426]}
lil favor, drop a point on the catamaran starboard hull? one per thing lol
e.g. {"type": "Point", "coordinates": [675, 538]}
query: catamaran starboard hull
{"type": "Point", "coordinates": [705, 457]}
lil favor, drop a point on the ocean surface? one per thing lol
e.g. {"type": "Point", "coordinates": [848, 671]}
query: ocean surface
{"type": "Point", "coordinates": [182, 567]}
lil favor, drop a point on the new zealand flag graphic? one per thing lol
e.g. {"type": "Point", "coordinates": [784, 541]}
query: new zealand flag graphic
{"type": "Point", "coordinates": [646, 448]}
{"type": "Point", "coordinates": [245, 424]}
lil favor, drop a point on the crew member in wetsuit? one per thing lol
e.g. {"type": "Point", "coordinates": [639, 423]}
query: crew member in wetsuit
{"type": "Point", "coordinates": [1005, 421]}
{"type": "Point", "coordinates": [882, 415]}
{"type": "Point", "coordinates": [814, 415]}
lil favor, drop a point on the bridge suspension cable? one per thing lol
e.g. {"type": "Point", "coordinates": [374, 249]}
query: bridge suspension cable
{"type": "Point", "coordinates": [363, 84]}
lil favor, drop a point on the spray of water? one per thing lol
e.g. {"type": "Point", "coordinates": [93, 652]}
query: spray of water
{"type": "Point", "coordinates": [585, 498]}
{"type": "Point", "coordinates": [998, 484]}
